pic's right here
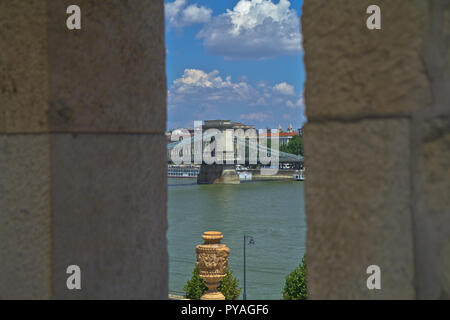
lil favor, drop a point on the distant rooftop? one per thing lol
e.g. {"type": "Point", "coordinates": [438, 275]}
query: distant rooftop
{"type": "Point", "coordinates": [281, 134]}
{"type": "Point", "coordinates": [226, 124]}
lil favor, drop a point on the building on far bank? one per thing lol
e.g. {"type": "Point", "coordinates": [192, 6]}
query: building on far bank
{"type": "Point", "coordinates": [283, 136]}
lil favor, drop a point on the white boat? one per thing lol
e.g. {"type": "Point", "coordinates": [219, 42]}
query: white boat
{"type": "Point", "coordinates": [245, 175]}
{"type": "Point", "coordinates": [174, 171]}
{"type": "Point", "coordinates": [299, 176]}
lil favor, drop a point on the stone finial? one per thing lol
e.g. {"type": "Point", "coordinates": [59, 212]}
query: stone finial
{"type": "Point", "coordinates": [212, 260]}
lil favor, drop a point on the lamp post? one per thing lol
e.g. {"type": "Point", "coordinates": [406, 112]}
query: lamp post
{"type": "Point", "coordinates": [250, 242]}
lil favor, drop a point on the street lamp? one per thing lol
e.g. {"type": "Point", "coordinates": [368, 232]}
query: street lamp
{"type": "Point", "coordinates": [250, 242]}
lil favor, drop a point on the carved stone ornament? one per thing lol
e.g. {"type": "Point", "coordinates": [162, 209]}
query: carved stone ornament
{"type": "Point", "coordinates": [212, 260]}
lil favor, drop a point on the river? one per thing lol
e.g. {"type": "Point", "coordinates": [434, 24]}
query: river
{"type": "Point", "coordinates": [273, 213]}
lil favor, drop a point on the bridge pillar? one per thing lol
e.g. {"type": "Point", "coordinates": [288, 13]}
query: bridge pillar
{"type": "Point", "coordinates": [218, 174]}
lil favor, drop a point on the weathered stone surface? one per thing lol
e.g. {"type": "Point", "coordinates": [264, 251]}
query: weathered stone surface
{"type": "Point", "coordinates": [110, 75]}
{"type": "Point", "coordinates": [358, 208]}
{"type": "Point", "coordinates": [25, 217]}
{"type": "Point", "coordinates": [107, 77]}
{"type": "Point", "coordinates": [433, 211]}
{"type": "Point", "coordinates": [436, 163]}
{"type": "Point", "coordinates": [446, 35]}
{"type": "Point", "coordinates": [109, 215]}
{"type": "Point", "coordinates": [96, 196]}
{"type": "Point", "coordinates": [437, 56]}
{"type": "Point", "coordinates": [354, 71]}
{"type": "Point", "coordinates": [24, 66]}
{"type": "Point", "coordinates": [108, 202]}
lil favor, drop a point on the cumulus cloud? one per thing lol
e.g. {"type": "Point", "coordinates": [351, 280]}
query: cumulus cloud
{"type": "Point", "coordinates": [173, 8]}
{"type": "Point", "coordinates": [198, 94]}
{"type": "Point", "coordinates": [298, 104]}
{"type": "Point", "coordinates": [254, 29]}
{"type": "Point", "coordinates": [180, 15]}
{"type": "Point", "coordinates": [210, 86]}
{"type": "Point", "coordinates": [194, 14]}
{"type": "Point", "coordinates": [284, 89]}
{"type": "Point", "coordinates": [258, 117]}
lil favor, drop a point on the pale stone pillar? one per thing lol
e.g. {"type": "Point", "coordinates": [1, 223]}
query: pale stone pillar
{"type": "Point", "coordinates": [82, 150]}
{"type": "Point", "coordinates": [378, 133]}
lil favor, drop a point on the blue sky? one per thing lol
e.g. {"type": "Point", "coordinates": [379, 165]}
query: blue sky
{"type": "Point", "coordinates": [234, 59]}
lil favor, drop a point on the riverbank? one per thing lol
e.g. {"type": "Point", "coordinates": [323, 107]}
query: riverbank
{"type": "Point", "coordinates": [280, 176]}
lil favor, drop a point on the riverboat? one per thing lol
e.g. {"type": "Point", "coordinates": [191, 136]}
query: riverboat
{"type": "Point", "coordinates": [299, 176]}
{"type": "Point", "coordinates": [174, 171]}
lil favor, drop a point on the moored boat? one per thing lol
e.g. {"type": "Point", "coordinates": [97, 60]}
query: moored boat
{"type": "Point", "coordinates": [174, 171]}
{"type": "Point", "coordinates": [299, 176]}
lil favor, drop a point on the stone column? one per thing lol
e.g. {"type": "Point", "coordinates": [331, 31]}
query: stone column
{"type": "Point", "coordinates": [82, 150]}
{"type": "Point", "coordinates": [218, 174]}
{"type": "Point", "coordinates": [378, 133]}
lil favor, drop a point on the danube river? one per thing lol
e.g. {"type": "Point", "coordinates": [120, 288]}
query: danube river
{"type": "Point", "coordinates": [273, 213]}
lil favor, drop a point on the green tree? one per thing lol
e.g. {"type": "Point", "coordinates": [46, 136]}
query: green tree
{"type": "Point", "coordinates": [195, 287]}
{"type": "Point", "coordinates": [284, 148]}
{"type": "Point", "coordinates": [295, 145]}
{"type": "Point", "coordinates": [295, 287]}
{"type": "Point", "coordinates": [229, 286]}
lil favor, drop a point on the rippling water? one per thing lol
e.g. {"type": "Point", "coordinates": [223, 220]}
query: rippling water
{"type": "Point", "coordinates": [272, 212]}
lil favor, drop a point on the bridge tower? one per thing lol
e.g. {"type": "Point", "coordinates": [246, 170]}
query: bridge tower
{"type": "Point", "coordinates": [221, 173]}
{"type": "Point", "coordinates": [218, 174]}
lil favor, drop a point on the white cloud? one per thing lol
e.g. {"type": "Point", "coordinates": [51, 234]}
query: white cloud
{"type": "Point", "coordinates": [284, 88]}
{"type": "Point", "coordinates": [212, 86]}
{"type": "Point", "coordinates": [295, 105]}
{"type": "Point", "coordinates": [198, 94]}
{"type": "Point", "coordinates": [254, 29]}
{"type": "Point", "coordinates": [178, 15]}
{"type": "Point", "coordinates": [247, 15]}
{"type": "Point", "coordinates": [259, 117]}
{"type": "Point", "coordinates": [197, 84]}
{"type": "Point", "coordinates": [194, 14]}
{"type": "Point", "coordinates": [259, 102]}
{"type": "Point", "coordinates": [172, 8]}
